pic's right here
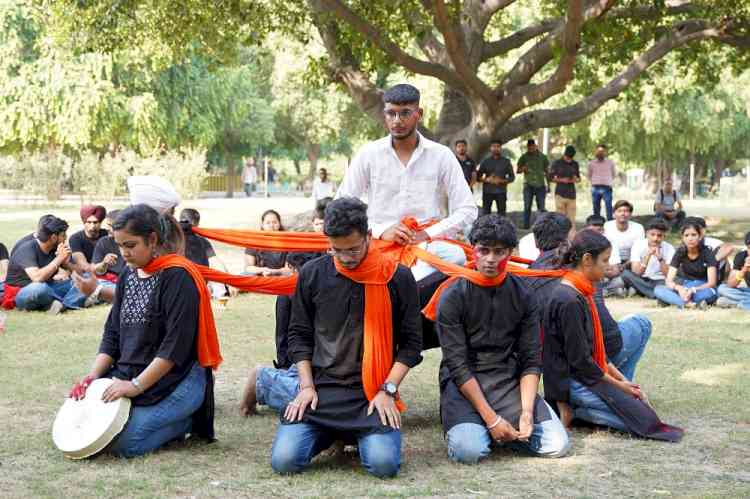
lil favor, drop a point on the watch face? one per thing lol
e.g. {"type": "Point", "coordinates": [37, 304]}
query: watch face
{"type": "Point", "coordinates": [390, 388]}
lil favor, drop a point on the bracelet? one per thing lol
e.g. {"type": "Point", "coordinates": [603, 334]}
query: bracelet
{"type": "Point", "coordinates": [137, 384]}
{"type": "Point", "coordinates": [497, 422]}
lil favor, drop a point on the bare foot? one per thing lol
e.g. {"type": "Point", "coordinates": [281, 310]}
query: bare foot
{"type": "Point", "coordinates": [247, 404]}
{"type": "Point", "coordinates": [566, 414]}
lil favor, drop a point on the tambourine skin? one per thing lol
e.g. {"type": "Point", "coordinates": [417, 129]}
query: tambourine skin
{"type": "Point", "coordinates": [84, 427]}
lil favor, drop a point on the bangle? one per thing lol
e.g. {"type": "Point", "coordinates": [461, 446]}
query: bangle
{"type": "Point", "coordinates": [497, 422]}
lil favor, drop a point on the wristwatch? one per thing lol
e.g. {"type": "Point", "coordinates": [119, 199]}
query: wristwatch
{"type": "Point", "coordinates": [390, 389]}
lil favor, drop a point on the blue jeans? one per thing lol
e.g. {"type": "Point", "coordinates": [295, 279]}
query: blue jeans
{"type": "Point", "coordinates": [296, 444]}
{"type": "Point", "coordinates": [599, 192]}
{"type": "Point", "coordinates": [40, 295]}
{"type": "Point", "coordinates": [276, 387]}
{"type": "Point", "coordinates": [635, 330]}
{"type": "Point", "coordinates": [151, 426]}
{"type": "Point", "coordinates": [671, 297]}
{"type": "Point", "coordinates": [740, 296]}
{"type": "Point", "coordinates": [470, 442]}
{"type": "Point", "coordinates": [531, 192]}
{"type": "Point", "coordinates": [588, 406]}
{"type": "Point", "coordinates": [445, 251]}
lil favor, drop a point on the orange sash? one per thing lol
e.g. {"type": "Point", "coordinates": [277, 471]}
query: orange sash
{"type": "Point", "coordinates": [586, 288]}
{"type": "Point", "coordinates": [375, 272]}
{"type": "Point", "coordinates": [207, 341]}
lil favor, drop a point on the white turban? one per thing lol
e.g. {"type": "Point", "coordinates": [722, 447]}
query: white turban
{"type": "Point", "coordinates": [156, 192]}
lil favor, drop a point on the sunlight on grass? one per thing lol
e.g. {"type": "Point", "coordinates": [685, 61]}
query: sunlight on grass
{"type": "Point", "coordinates": [715, 376]}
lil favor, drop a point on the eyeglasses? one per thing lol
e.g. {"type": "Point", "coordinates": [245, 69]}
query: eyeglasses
{"type": "Point", "coordinates": [353, 252]}
{"type": "Point", "coordinates": [404, 114]}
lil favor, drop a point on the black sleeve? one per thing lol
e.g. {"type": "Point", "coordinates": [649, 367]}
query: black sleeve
{"type": "Point", "coordinates": [739, 260]}
{"type": "Point", "coordinates": [208, 248]}
{"type": "Point", "coordinates": [110, 343]}
{"type": "Point", "coordinates": [709, 257]}
{"type": "Point", "coordinates": [409, 349]}
{"type": "Point", "coordinates": [577, 169]}
{"type": "Point", "coordinates": [482, 170]}
{"type": "Point", "coordinates": [302, 323]}
{"type": "Point", "coordinates": [452, 334]}
{"type": "Point", "coordinates": [676, 259]}
{"type": "Point", "coordinates": [179, 308]}
{"type": "Point", "coordinates": [529, 345]}
{"type": "Point", "coordinates": [578, 349]}
{"type": "Point", "coordinates": [509, 170]}
{"type": "Point", "coordinates": [100, 250]}
{"type": "Point", "coordinates": [3, 252]}
{"type": "Point", "coordinates": [283, 316]}
{"type": "Point", "coordinates": [26, 256]}
{"type": "Point", "coordinates": [76, 243]}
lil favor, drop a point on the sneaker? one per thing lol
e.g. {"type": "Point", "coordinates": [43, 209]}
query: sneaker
{"type": "Point", "coordinates": [724, 302]}
{"type": "Point", "coordinates": [56, 308]}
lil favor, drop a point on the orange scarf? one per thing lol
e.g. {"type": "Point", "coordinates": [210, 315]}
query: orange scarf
{"type": "Point", "coordinates": [586, 288]}
{"type": "Point", "coordinates": [268, 240]}
{"type": "Point", "coordinates": [266, 285]}
{"type": "Point", "coordinates": [430, 311]}
{"type": "Point", "coordinates": [375, 272]}
{"type": "Point", "coordinates": [207, 341]}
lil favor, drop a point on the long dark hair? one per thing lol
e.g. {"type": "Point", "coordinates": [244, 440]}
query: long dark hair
{"type": "Point", "coordinates": [271, 212]}
{"type": "Point", "coordinates": [141, 220]}
{"type": "Point", "coordinates": [586, 241]}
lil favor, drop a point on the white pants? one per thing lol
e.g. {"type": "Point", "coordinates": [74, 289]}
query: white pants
{"type": "Point", "coordinates": [445, 251]}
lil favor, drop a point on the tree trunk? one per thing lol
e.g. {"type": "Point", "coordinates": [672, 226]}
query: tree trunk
{"type": "Point", "coordinates": [297, 167]}
{"type": "Point", "coordinates": [313, 154]}
{"type": "Point", "coordinates": [719, 166]}
{"type": "Point", "coordinates": [230, 175]}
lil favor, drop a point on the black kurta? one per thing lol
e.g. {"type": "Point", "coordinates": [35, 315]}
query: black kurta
{"type": "Point", "coordinates": [327, 328]}
{"type": "Point", "coordinates": [568, 344]}
{"type": "Point", "coordinates": [491, 334]}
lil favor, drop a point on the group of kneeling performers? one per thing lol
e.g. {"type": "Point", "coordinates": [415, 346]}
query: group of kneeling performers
{"type": "Point", "coordinates": [354, 327]}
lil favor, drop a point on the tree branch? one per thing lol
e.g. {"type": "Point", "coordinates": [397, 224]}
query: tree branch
{"type": "Point", "coordinates": [395, 52]}
{"type": "Point", "coordinates": [517, 39]}
{"type": "Point", "coordinates": [682, 33]}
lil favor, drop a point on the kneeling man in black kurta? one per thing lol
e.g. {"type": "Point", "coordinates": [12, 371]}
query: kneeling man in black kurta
{"type": "Point", "coordinates": [354, 334]}
{"type": "Point", "coordinates": [489, 330]}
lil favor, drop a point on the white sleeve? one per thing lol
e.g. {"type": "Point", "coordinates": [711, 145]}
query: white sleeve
{"type": "Point", "coordinates": [635, 251]}
{"type": "Point", "coordinates": [462, 210]}
{"type": "Point", "coordinates": [356, 181]}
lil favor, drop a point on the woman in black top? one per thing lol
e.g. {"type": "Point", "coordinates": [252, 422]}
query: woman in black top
{"type": "Point", "coordinates": [571, 369]}
{"type": "Point", "coordinates": [149, 342]}
{"type": "Point", "coordinates": [693, 272]}
{"type": "Point", "coordinates": [267, 263]}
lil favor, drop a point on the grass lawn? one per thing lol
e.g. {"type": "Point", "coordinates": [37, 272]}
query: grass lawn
{"type": "Point", "coordinates": [694, 371]}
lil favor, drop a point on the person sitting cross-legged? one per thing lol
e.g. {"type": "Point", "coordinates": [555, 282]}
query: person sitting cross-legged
{"type": "Point", "coordinates": [731, 295]}
{"type": "Point", "coordinates": [649, 260]}
{"type": "Point", "coordinates": [490, 337]}
{"type": "Point", "coordinates": [354, 334]}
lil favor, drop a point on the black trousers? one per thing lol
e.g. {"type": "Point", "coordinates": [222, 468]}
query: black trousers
{"type": "Point", "coordinates": [530, 193]}
{"type": "Point", "coordinates": [499, 198]}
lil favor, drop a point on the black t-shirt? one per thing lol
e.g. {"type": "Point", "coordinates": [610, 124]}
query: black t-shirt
{"type": "Point", "coordinates": [27, 237]}
{"type": "Point", "coordinates": [694, 269]}
{"type": "Point", "coordinates": [498, 167]}
{"type": "Point", "coordinates": [739, 262]}
{"type": "Point", "coordinates": [469, 166]}
{"type": "Point", "coordinates": [105, 246]}
{"type": "Point", "coordinates": [3, 252]}
{"type": "Point", "coordinates": [28, 254]}
{"type": "Point", "coordinates": [268, 259]}
{"type": "Point", "coordinates": [198, 249]}
{"type": "Point", "coordinates": [79, 243]}
{"type": "Point", "coordinates": [563, 169]}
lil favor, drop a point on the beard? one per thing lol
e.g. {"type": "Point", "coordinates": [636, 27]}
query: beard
{"type": "Point", "coordinates": [404, 133]}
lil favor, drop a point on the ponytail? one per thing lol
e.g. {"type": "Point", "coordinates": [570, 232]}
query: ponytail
{"type": "Point", "coordinates": [586, 242]}
{"type": "Point", "coordinates": [142, 220]}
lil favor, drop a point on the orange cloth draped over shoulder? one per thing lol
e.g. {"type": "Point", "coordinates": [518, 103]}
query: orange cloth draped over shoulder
{"type": "Point", "coordinates": [375, 272]}
{"type": "Point", "coordinates": [209, 354]}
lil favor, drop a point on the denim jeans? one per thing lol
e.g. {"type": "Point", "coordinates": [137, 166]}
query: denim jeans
{"type": "Point", "coordinates": [296, 444]}
{"type": "Point", "coordinates": [588, 406]}
{"type": "Point", "coordinates": [40, 295]}
{"type": "Point", "coordinates": [151, 426]}
{"type": "Point", "coordinates": [635, 330]}
{"type": "Point", "coordinates": [445, 251]}
{"type": "Point", "coordinates": [671, 297]}
{"type": "Point", "coordinates": [643, 285]}
{"type": "Point", "coordinates": [740, 296]}
{"type": "Point", "coordinates": [599, 192]}
{"type": "Point", "coordinates": [470, 442]}
{"type": "Point", "coordinates": [276, 387]}
{"type": "Point", "coordinates": [531, 192]}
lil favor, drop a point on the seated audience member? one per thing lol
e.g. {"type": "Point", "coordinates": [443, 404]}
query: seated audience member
{"type": "Point", "coordinates": [155, 344]}
{"type": "Point", "coordinates": [3, 269]}
{"type": "Point", "coordinates": [276, 386]}
{"type": "Point", "coordinates": [722, 251]}
{"type": "Point", "coordinates": [489, 375]}
{"type": "Point", "coordinates": [575, 357]}
{"type": "Point", "coordinates": [32, 282]}
{"type": "Point", "coordinates": [267, 263]}
{"type": "Point", "coordinates": [731, 294]}
{"type": "Point", "coordinates": [692, 277]}
{"type": "Point", "coordinates": [83, 242]}
{"type": "Point", "coordinates": [612, 284]}
{"type": "Point", "coordinates": [339, 327]}
{"type": "Point", "coordinates": [649, 260]}
{"type": "Point", "coordinates": [29, 237]}
{"type": "Point", "coordinates": [624, 341]}
{"type": "Point", "coordinates": [668, 205]}
{"type": "Point", "coordinates": [550, 230]}
{"type": "Point", "coordinates": [623, 232]}
{"type": "Point", "coordinates": [199, 250]}
{"type": "Point", "coordinates": [108, 262]}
